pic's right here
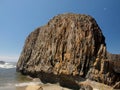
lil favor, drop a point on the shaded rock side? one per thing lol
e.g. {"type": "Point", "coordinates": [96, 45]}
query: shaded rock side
{"type": "Point", "coordinates": [115, 60]}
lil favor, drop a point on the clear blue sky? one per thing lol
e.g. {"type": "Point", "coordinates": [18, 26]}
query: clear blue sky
{"type": "Point", "coordinates": [20, 17]}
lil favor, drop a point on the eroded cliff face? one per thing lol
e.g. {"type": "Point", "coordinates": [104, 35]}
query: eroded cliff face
{"type": "Point", "coordinates": [69, 44]}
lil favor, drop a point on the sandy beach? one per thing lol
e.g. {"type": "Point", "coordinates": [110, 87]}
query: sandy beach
{"type": "Point", "coordinates": [95, 86]}
{"type": "Point", "coordinates": [42, 87]}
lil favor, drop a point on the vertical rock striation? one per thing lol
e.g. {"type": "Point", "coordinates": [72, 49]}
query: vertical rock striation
{"type": "Point", "coordinates": [69, 44]}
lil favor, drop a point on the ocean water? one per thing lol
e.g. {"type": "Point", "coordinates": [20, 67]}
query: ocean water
{"type": "Point", "coordinates": [10, 79]}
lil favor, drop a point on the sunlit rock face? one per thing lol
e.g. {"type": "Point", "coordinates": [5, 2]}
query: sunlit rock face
{"type": "Point", "coordinates": [69, 44]}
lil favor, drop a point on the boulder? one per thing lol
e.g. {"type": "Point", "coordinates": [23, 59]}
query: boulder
{"type": "Point", "coordinates": [108, 71]}
{"type": "Point", "coordinates": [117, 85]}
{"type": "Point", "coordinates": [2, 62]}
{"type": "Point", "coordinates": [68, 45]}
{"type": "Point", "coordinates": [85, 87]}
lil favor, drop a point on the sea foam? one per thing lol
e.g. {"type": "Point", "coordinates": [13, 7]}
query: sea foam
{"type": "Point", "coordinates": [27, 83]}
{"type": "Point", "coordinates": [7, 65]}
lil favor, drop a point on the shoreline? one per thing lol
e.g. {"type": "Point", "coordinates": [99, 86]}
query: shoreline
{"type": "Point", "coordinates": [42, 87]}
{"type": "Point", "coordinates": [93, 84]}
{"type": "Point", "coordinates": [36, 84]}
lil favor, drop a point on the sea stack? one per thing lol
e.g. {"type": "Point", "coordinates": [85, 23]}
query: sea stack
{"type": "Point", "coordinates": [68, 45]}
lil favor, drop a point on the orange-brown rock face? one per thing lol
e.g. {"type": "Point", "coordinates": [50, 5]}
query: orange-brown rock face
{"type": "Point", "coordinates": [69, 44]}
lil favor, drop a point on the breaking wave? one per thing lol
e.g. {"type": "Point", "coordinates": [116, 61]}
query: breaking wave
{"type": "Point", "coordinates": [7, 65]}
{"type": "Point", "coordinates": [27, 83]}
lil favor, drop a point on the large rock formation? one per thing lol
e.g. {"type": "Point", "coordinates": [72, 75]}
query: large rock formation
{"type": "Point", "coordinates": [69, 44]}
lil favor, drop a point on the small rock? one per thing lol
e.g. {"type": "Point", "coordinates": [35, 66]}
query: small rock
{"type": "Point", "coordinates": [86, 87]}
{"type": "Point", "coordinates": [117, 86]}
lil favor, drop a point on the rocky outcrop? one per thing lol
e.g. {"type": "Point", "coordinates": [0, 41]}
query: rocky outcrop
{"type": "Point", "coordinates": [115, 60]}
{"type": "Point", "coordinates": [2, 62]}
{"type": "Point", "coordinates": [70, 45]}
{"type": "Point", "coordinates": [108, 72]}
